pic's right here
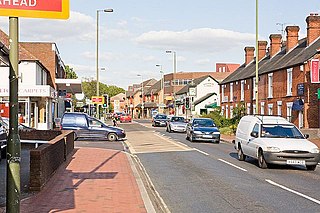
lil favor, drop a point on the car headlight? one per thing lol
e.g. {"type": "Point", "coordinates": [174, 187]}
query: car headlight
{"type": "Point", "coordinates": [315, 150]}
{"type": "Point", "coordinates": [197, 132]}
{"type": "Point", "coordinates": [273, 149]}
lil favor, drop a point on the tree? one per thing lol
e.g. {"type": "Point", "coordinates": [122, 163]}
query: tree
{"type": "Point", "coordinates": [90, 89]}
{"type": "Point", "coordinates": [70, 74]}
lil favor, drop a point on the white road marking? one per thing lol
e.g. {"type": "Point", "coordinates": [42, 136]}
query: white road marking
{"type": "Point", "coordinates": [172, 142]}
{"type": "Point", "coordinates": [295, 192]}
{"type": "Point", "coordinates": [242, 169]}
{"type": "Point", "coordinates": [202, 152]}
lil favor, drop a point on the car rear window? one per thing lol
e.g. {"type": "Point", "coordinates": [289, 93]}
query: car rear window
{"type": "Point", "coordinates": [74, 120]}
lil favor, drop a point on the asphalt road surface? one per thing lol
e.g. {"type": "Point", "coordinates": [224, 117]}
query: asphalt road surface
{"type": "Point", "coordinates": [206, 177]}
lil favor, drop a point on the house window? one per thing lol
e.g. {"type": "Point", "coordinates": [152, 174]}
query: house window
{"type": "Point", "coordinates": [289, 82]}
{"type": "Point", "coordinates": [227, 111]}
{"type": "Point", "coordinates": [242, 91]}
{"type": "Point", "coordinates": [248, 108]}
{"type": "Point", "coordinates": [222, 110]}
{"type": "Point", "coordinates": [270, 82]}
{"type": "Point", "coordinates": [231, 111]}
{"type": "Point", "coordinates": [270, 109]}
{"type": "Point", "coordinates": [254, 89]}
{"type": "Point", "coordinates": [262, 108]}
{"type": "Point", "coordinates": [167, 84]}
{"type": "Point", "coordinates": [231, 92]}
{"type": "Point", "coordinates": [279, 108]}
{"type": "Point", "coordinates": [289, 111]}
{"type": "Point", "coordinates": [254, 109]}
{"type": "Point", "coordinates": [222, 92]}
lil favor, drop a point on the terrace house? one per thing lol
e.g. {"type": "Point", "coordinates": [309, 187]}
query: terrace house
{"type": "Point", "coordinates": [284, 84]}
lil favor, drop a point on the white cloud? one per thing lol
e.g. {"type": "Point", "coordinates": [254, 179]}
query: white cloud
{"type": "Point", "coordinates": [204, 61]}
{"type": "Point", "coordinates": [200, 40]}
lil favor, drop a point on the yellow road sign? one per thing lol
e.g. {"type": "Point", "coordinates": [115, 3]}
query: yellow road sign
{"type": "Point", "coordinates": [51, 9]}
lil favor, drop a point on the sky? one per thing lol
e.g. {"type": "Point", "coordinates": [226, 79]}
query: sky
{"type": "Point", "coordinates": [135, 37]}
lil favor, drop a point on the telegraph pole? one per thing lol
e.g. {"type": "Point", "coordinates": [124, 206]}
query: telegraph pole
{"type": "Point", "coordinates": [13, 143]}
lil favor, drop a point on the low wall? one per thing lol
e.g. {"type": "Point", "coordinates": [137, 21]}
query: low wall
{"type": "Point", "coordinates": [47, 158]}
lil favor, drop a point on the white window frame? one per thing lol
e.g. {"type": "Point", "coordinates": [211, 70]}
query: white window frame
{"type": "Point", "coordinates": [222, 92]}
{"type": "Point", "coordinates": [231, 92]}
{"type": "Point", "coordinates": [301, 121]}
{"type": "Point", "coordinates": [254, 107]}
{"type": "Point", "coordinates": [227, 111]}
{"type": "Point", "coordinates": [242, 91]}
{"type": "Point", "coordinates": [231, 111]}
{"type": "Point", "coordinates": [279, 108]}
{"type": "Point", "coordinates": [248, 108]}
{"type": "Point", "coordinates": [289, 111]}
{"type": "Point", "coordinates": [270, 109]}
{"type": "Point", "coordinates": [289, 82]}
{"type": "Point", "coordinates": [270, 85]}
{"type": "Point", "coordinates": [222, 111]}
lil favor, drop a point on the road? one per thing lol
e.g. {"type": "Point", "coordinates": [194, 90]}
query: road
{"type": "Point", "coordinates": [206, 177]}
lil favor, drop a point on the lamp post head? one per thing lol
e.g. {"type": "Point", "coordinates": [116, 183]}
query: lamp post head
{"type": "Point", "coordinates": [110, 10]}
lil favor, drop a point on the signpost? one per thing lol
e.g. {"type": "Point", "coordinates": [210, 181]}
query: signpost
{"type": "Point", "coordinates": [55, 9]}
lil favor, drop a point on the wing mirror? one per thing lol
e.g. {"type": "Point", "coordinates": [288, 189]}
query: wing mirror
{"type": "Point", "coordinates": [254, 134]}
{"type": "Point", "coordinates": [306, 136]}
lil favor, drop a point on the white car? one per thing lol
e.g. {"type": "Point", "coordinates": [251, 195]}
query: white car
{"type": "Point", "coordinates": [274, 140]}
{"type": "Point", "coordinates": [177, 124]}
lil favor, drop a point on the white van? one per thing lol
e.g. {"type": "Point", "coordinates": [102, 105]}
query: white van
{"type": "Point", "coordinates": [274, 140]}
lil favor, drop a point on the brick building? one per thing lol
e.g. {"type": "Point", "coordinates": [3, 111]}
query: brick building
{"type": "Point", "coordinates": [284, 84]}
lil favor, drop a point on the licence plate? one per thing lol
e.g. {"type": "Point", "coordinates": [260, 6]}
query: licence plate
{"type": "Point", "coordinates": [296, 162]}
{"type": "Point", "coordinates": [207, 136]}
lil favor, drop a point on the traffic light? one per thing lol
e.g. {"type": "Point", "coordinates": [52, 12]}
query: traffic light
{"type": "Point", "coordinates": [187, 103]}
{"type": "Point", "coordinates": [106, 101]}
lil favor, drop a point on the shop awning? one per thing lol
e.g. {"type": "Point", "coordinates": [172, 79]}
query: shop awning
{"type": "Point", "coordinates": [69, 85]}
{"type": "Point", "coordinates": [212, 105]}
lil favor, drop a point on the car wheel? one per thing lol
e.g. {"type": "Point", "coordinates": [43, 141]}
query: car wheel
{"type": "Point", "coordinates": [311, 168]}
{"type": "Point", "coordinates": [261, 161]}
{"type": "Point", "coordinates": [241, 156]}
{"type": "Point", "coordinates": [112, 137]}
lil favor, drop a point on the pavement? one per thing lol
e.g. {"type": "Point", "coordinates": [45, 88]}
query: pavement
{"type": "Point", "coordinates": [95, 180]}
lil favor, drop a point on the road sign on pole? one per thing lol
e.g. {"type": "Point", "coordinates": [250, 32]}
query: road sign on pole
{"type": "Point", "coordinates": [51, 9]}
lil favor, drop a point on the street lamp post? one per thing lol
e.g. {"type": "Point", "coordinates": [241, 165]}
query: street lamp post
{"type": "Point", "coordinates": [161, 87]}
{"type": "Point", "coordinates": [173, 77]}
{"type": "Point", "coordinates": [97, 52]}
{"type": "Point", "coordinates": [257, 61]}
{"type": "Point", "coordinates": [142, 99]}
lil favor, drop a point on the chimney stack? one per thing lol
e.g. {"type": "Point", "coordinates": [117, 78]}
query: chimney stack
{"type": "Point", "coordinates": [262, 49]}
{"type": "Point", "coordinates": [249, 54]}
{"type": "Point", "coordinates": [292, 37]}
{"type": "Point", "coordinates": [275, 44]}
{"type": "Point", "coordinates": [313, 27]}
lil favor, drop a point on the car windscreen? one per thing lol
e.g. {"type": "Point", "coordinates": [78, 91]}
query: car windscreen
{"type": "Point", "coordinates": [280, 131]}
{"type": "Point", "coordinates": [177, 119]}
{"type": "Point", "coordinates": [161, 117]}
{"type": "Point", "coordinates": [204, 123]}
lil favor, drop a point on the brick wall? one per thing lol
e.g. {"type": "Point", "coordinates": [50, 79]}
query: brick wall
{"type": "Point", "coordinates": [47, 158]}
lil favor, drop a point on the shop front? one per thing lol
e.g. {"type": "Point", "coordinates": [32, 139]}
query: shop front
{"type": "Point", "coordinates": [36, 105]}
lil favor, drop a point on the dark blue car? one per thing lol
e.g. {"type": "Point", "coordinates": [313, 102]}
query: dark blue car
{"type": "Point", "coordinates": [203, 129]}
{"type": "Point", "coordinates": [85, 126]}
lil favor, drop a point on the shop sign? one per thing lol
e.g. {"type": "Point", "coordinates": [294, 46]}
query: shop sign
{"type": "Point", "coordinates": [33, 91]}
{"type": "Point", "coordinates": [300, 89]}
{"type": "Point", "coordinates": [51, 9]}
{"type": "Point", "coordinates": [97, 99]}
{"type": "Point", "coordinates": [315, 78]}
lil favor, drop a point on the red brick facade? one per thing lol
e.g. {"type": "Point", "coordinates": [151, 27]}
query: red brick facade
{"type": "Point", "coordinates": [281, 100]}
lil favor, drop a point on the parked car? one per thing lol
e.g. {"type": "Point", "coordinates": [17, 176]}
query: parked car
{"type": "Point", "coordinates": [203, 129]}
{"type": "Point", "coordinates": [117, 115]}
{"type": "Point", "coordinates": [176, 124]}
{"type": "Point", "coordinates": [85, 126]}
{"type": "Point", "coordinates": [274, 140]}
{"type": "Point", "coordinates": [159, 120]}
{"type": "Point", "coordinates": [21, 127]}
{"type": "Point", "coordinates": [125, 118]}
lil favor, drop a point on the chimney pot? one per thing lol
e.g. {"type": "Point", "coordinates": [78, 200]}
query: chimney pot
{"type": "Point", "coordinates": [292, 37]}
{"type": "Point", "coordinates": [313, 27]}
{"type": "Point", "coordinates": [249, 54]}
